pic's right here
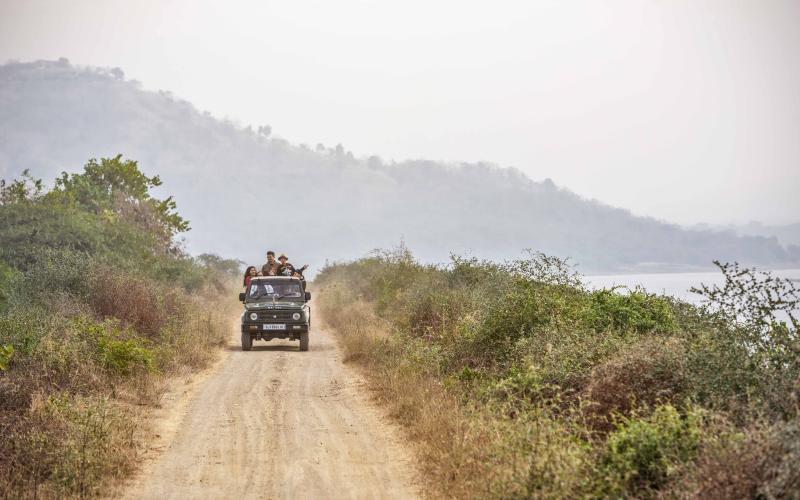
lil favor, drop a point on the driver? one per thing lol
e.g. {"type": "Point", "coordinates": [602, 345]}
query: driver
{"type": "Point", "coordinates": [261, 290]}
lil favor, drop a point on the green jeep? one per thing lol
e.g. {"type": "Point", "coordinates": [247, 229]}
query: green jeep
{"type": "Point", "coordinates": [275, 307]}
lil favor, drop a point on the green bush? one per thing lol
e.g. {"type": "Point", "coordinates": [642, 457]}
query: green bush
{"type": "Point", "coordinates": [527, 310]}
{"type": "Point", "coordinates": [636, 311]}
{"type": "Point", "coordinates": [557, 458]}
{"type": "Point", "coordinates": [6, 352]}
{"type": "Point", "coordinates": [782, 478]}
{"type": "Point", "coordinates": [7, 276]}
{"type": "Point", "coordinates": [760, 311]}
{"type": "Point", "coordinates": [643, 453]}
{"type": "Point", "coordinates": [125, 356]}
{"type": "Point", "coordinates": [521, 384]}
{"type": "Point", "coordinates": [119, 355]}
{"type": "Point", "coordinates": [55, 272]}
{"type": "Point", "coordinates": [93, 286]}
{"type": "Point", "coordinates": [627, 377]}
{"type": "Point", "coordinates": [22, 329]}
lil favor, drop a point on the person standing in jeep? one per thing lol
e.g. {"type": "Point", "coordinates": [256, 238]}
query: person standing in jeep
{"type": "Point", "coordinates": [287, 269]}
{"type": "Point", "coordinates": [270, 268]}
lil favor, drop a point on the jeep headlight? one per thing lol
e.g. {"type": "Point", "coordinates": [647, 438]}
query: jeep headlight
{"type": "Point", "coordinates": [253, 316]}
{"type": "Point", "coordinates": [296, 316]}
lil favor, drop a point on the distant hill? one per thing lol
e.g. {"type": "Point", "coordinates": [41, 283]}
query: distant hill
{"type": "Point", "coordinates": [787, 234]}
{"type": "Point", "coordinates": [245, 191]}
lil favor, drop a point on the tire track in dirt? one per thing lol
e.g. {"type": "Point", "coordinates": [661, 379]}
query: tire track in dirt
{"type": "Point", "coordinates": [278, 423]}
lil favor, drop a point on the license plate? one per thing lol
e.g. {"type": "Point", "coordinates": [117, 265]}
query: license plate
{"type": "Point", "coordinates": [275, 327]}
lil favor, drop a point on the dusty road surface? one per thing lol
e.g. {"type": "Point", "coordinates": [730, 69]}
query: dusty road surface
{"type": "Point", "coordinates": [277, 423]}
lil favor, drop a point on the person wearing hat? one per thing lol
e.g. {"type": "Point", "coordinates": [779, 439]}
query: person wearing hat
{"type": "Point", "coordinates": [286, 269]}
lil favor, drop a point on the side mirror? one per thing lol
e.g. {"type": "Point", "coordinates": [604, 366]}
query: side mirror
{"type": "Point", "coordinates": [241, 297]}
{"type": "Point", "coordinates": [308, 296]}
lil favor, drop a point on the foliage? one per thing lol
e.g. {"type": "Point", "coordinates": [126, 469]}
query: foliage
{"type": "Point", "coordinates": [7, 275]}
{"type": "Point", "coordinates": [219, 264]}
{"type": "Point", "coordinates": [636, 311]}
{"type": "Point", "coordinates": [753, 297]}
{"type": "Point", "coordinates": [650, 372]}
{"type": "Point", "coordinates": [118, 354]}
{"type": "Point", "coordinates": [98, 305]}
{"type": "Point", "coordinates": [25, 189]}
{"type": "Point", "coordinates": [6, 352]}
{"type": "Point", "coordinates": [55, 272]}
{"type": "Point", "coordinates": [105, 211]}
{"type": "Point", "coordinates": [517, 381]}
{"type": "Point", "coordinates": [542, 268]}
{"type": "Point", "coordinates": [764, 308]}
{"type": "Point", "coordinates": [642, 453]}
{"type": "Point", "coordinates": [28, 229]}
{"type": "Point", "coordinates": [65, 446]}
{"type": "Point", "coordinates": [116, 188]}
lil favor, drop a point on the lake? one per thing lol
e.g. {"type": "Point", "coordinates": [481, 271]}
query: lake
{"type": "Point", "coordinates": [674, 284]}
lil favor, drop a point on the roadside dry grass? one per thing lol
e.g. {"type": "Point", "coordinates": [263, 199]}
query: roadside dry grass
{"type": "Point", "coordinates": [100, 305]}
{"type": "Point", "coordinates": [467, 450]}
{"type": "Point", "coordinates": [76, 397]}
{"type": "Point", "coordinates": [517, 382]}
{"type": "Point", "coordinates": [432, 419]}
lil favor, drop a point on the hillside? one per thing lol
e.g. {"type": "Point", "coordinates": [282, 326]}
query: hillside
{"type": "Point", "coordinates": [245, 191]}
{"type": "Point", "coordinates": [787, 234]}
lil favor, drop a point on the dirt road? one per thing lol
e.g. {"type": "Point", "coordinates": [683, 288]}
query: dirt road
{"type": "Point", "coordinates": [277, 423]}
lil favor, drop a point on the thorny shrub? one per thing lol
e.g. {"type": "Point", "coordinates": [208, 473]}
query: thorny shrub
{"type": "Point", "coordinates": [560, 391]}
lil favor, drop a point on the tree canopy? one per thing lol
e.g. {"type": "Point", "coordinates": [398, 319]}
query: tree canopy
{"type": "Point", "coordinates": [105, 210]}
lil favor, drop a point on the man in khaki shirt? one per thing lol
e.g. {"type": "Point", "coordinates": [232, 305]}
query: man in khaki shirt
{"type": "Point", "coordinates": [271, 267]}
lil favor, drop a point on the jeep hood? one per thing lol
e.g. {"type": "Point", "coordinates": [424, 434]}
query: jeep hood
{"type": "Point", "coordinates": [250, 306]}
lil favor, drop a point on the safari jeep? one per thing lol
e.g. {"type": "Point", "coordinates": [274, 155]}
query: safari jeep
{"type": "Point", "coordinates": [275, 307]}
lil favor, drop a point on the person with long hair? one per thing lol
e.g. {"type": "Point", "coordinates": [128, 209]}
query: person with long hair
{"type": "Point", "coordinates": [248, 275]}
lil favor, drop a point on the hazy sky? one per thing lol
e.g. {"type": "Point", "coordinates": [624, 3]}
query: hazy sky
{"type": "Point", "coordinates": [685, 110]}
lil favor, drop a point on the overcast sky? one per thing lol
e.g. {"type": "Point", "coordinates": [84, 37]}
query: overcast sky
{"type": "Point", "coordinates": [688, 111]}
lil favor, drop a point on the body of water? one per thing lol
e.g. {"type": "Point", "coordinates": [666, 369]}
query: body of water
{"type": "Point", "coordinates": [674, 284]}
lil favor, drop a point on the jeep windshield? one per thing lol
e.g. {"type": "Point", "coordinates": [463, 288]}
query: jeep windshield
{"type": "Point", "coordinates": [260, 290]}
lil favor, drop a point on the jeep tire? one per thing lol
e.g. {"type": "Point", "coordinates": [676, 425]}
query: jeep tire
{"type": "Point", "coordinates": [247, 341]}
{"type": "Point", "coordinates": [304, 341]}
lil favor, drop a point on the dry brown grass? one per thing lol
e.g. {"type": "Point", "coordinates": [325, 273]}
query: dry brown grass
{"type": "Point", "coordinates": [734, 472]}
{"type": "Point", "coordinates": [135, 301]}
{"type": "Point", "coordinates": [762, 461]}
{"type": "Point", "coordinates": [67, 446]}
{"type": "Point", "coordinates": [71, 426]}
{"type": "Point", "coordinates": [464, 450]}
{"type": "Point", "coordinates": [431, 418]}
{"type": "Point", "coordinates": [649, 372]}
{"type": "Point", "coordinates": [527, 389]}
